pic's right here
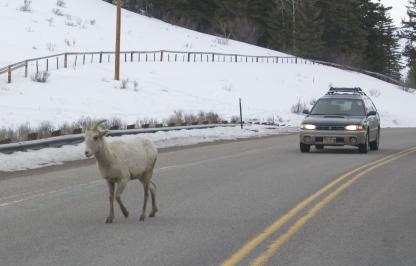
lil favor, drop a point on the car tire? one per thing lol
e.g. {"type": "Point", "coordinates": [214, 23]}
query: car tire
{"type": "Point", "coordinates": [375, 144]}
{"type": "Point", "coordinates": [319, 147]}
{"type": "Point", "coordinates": [363, 148]}
{"type": "Point", "coordinates": [305, 147]}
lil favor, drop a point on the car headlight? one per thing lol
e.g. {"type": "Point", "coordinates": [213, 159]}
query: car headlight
{"type": "Point", "coordinates": [354, 127]}
{"type": "Point", "coordinates": [308, 126]}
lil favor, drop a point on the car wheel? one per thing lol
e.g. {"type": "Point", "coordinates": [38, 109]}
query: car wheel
{"type": "Point", "coordinates": [319, 147]}
{"type": "Point", "coordinates": [305, 147]}
{"type": "Point", "coordinates": [363, 148]}
{"type": "Point", "coordinates": [375, 144]}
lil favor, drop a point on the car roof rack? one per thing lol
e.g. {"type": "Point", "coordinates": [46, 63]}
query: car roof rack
{"type": "Point", "coordinates": [356, 91]}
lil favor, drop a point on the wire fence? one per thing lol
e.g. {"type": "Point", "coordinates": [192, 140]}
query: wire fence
{"type": "Point", "coordinates": [74, 59]}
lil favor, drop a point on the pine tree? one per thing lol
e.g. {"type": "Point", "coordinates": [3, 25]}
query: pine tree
{"type": "Point", "coordinates": [343, 33]}
{"type": "Point", "coordinates": [309, 30]}
{"type": "Point", "coordinates": [408, 32]}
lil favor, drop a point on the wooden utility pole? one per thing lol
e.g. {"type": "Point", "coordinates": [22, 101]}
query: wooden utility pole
{"type": "Point", "coordinates": [118, 29]}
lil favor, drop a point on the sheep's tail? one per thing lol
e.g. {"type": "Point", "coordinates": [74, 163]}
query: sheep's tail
{"type": "Point", "coordinates": [154, 185]}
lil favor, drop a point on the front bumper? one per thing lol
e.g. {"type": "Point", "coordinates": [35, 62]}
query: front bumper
{"type": "Point", "coordinates": [333, 138]}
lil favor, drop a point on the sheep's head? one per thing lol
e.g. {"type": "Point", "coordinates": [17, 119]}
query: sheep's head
{"type": "Point", "coordinates": [94, 139]}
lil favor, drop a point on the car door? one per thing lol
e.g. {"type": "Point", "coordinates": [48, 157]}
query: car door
{"type": "Point", "coordinates": [372, 119]}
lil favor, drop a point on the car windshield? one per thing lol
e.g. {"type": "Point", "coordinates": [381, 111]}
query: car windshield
{"type": "Point", "coordinates": [345, 107]}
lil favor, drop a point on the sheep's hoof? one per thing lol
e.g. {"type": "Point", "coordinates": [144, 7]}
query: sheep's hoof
{"type": "Point", "coordinates": [109, 220]}
{"type": "Point", "coordinates": [142, 217]}
{"type": "Point", "coordinates": [153, 213]}
{"type": "Point", "coordinates": [126, 214]}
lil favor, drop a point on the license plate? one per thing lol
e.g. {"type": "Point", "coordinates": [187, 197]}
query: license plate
{"type": "Point", "coordinates": [329, 140]}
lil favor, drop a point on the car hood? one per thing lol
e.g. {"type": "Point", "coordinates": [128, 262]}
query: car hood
{"type": "Point", "coordinates": [333, 120]}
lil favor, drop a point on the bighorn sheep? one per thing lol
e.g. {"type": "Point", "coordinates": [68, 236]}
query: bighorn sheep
{"type": "Point", "coordinates": [121, 161]}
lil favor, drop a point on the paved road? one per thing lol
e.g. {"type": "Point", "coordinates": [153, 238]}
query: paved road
{"type": "Point", "coordinates": [216, 201]}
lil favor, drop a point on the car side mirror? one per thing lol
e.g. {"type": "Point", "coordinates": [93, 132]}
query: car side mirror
{"type": "Point", "coordinates": [371, 113]}
{"type": "Point", "coordinates": [306, 111]}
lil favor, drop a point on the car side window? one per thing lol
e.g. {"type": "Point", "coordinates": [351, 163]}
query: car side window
{"type": "Point", "coordinates": [368, 105]}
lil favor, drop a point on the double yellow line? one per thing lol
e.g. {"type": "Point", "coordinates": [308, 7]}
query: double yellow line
{"type": "Point", "coordinates": [349, 179]}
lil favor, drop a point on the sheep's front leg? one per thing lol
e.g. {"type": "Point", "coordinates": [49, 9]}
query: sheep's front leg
{"type": "Point", "coordinates": [146, 196]}
{"type": "Point", "coordinates": [120, 188]}
{"type": "Point", "coordinates": [111, 187]}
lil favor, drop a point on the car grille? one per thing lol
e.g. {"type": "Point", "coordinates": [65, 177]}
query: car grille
{"type": "Point", "coordinates": [330, 128]}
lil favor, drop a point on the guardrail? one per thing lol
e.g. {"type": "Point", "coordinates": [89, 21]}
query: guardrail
{"type": "Point", "coordinates": [65, 60]}
{"type": "Point", "coordinates": [78, 138]}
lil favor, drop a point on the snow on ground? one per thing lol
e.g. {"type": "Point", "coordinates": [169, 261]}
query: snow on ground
{"type": "Point", "coordinates": [89, 25]}
{"type": "Point", "coordinates": [53, 156]}
{"type": "Point", "coordinates": [267, 91]}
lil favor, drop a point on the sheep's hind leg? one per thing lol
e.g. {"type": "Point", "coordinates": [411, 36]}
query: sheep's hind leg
{"type": "Point", "coordinates": [120, 188]}
{"type": "Point", "coordinates": [146, 196]}
{"type": "Point", "coordinates": [110, 217]}
{"type": "Point", "coordinates": [153, 194]}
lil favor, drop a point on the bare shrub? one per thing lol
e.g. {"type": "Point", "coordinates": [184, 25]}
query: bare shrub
{"type": "Point", "coordinates": [93, 22]}
{"type": "Point", "coordinates": [177, 118]}
{"type": "Point", "coordinates": [45, 129]}
{"type": "Point", "coordinates": [298, 107]}
{"type": "Point", "coordinates": [85, 122]}
{"type": "Point", "coordinates": [57, 12]}
{"type": "Point", "coordinates": [114, 122]}
{"type": "Point", "coordinates": [375, 93]}
{"type": "Point", "coordinates": [61, 3]}
{"type": "Point", "coordinates": [50, 46]}
{"type": "Point", "coordinates": [227, 87]}
{"type": "Point", "coordinates": [124, 83]}
{"type": "Point", "coordinates": [146, 121]}
{"type": "Point", "coordinates": [23, 131]}
{"type": "Point", "coordinates": [26, 7]}
{"type": "Point", "coordinates": [221, 40]}
{"type": "Point", "coordinates": [235, 119]}
{"type": "Point", "coordinates": [69, 43]}
{"type": "Point", "coordinates": [190, 118]}
{"type": "Point", "coordinates": [211, 117]}
{"type": "Point", "coordinates": [312, 102]}
{"type": "Point", "coordinates": [7, 133]}
{"type": "Point", "coordinates": [70, 23]}
{"type": "Point", "coordinates": [41, 76]}
{"type": "Point", "coordinates": [51, 21]}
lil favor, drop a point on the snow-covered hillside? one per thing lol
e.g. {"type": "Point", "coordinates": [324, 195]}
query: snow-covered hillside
{"type": "Point", "coordinates": [267, 90]}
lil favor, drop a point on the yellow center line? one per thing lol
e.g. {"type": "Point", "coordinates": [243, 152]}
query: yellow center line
{"type": "Point", "coordinates": [273, 248]}
{"type": "Point", "coordinates": [253, 243]}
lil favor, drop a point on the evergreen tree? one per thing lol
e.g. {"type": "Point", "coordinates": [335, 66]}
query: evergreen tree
{"type": "Point", "coordinates": [309, 30]}
{"type": "Point", "coordinates": [343, 34]}
{"type": "Point", "coordinates": [408, 32]}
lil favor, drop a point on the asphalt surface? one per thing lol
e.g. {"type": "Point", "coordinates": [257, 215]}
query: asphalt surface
{"type": "Point", "coordinates": [213, 199]}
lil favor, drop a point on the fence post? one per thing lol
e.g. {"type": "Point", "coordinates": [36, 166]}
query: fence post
{"type": "Point", "coordinates": [189, 57]}
{"type": "Point", "coordinates": [26, 68]}
{"type": "Point", "coordinates": [37, 66]}
{"type": "Point", "coordinates": [161, 56]}
{"type": "Point", "coordinates": [47, 65]}
{"type": "Point", "coordinates": [125, 57]}
{"type": "Point", "coordinates": [9, 74]}
{"type": "Point", "coordinates": [65, 60]}
{"type": "Point", "coordinates": [101, 57]}
{"type": "Point", "coordinates": [131, 57]}
{"type": "Point", "coordinates": [83, 59]}
{"type": "Point", "coordinates": [236, 58]}
{"type": "Point", "coordinates": [57, 62]}
{"type": "Point", "coordinates": [296, 60]}
{"type": "Point", "coordinates": [241, 114]}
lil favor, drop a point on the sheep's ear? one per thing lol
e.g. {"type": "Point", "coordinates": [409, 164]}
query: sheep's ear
{"type": "Point", "coordinates": [103, 133]}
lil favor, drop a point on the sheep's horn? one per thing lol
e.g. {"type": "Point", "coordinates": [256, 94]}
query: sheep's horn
{"type": "Point", "coordinates": [99, 123]}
